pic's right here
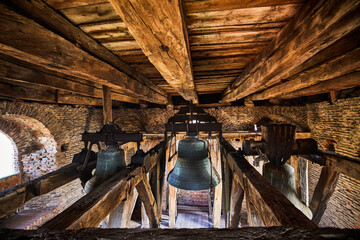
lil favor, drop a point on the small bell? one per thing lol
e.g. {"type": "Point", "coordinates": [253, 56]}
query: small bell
{"type": "Point", "coordinates": [282, 177]}
{"type": "Point", "coordinates": [109, 161]}
{"type": "Point", "coordinates": [193, 170]}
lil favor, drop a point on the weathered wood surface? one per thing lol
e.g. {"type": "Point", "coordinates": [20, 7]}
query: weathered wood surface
{"type": "Point", "coordinates": [216, 159]}
{"type": "Point", "coordinates": [241, 16]}
{"type": "Point", "coordinates": [15, 197]}
{"type": "Point", "coordinates": [162, 35]}
{"type": "Point", "coordinates": [237, 197]}
{"type": "Point", "coordinates": [219, 5]}
{"type": "Point", "coordinates": [59, 4]}
{"type": "Point", "coordinates": [311, 30]}
{"type": "Point", "coordinates": [323, 191]}
{"type": "Point", "coordinates": [25, 40]}
{"type": "Point", "coordinates": [54, 21]}
{"type": "Point", "coordinates": [272, 233]}
{"type": "Point", "coordinates": [147, 197]}
{"type": "Point", "coordinates": [273, 207]}
{"type": "Point", "coordinates": [16, 73]}
{"type": "Point", "coordinates": [342, 65]}
{"type": "Point", "coordinates": [107, 105]}
{"type": "Point", "coordinates": [340, 163]}
{"type": "Point", "coordinates": [172, 203]}
{"type": "Point", "coordinates": [347, 81]}
{"type": "Point", "coordinates": [91, 209]}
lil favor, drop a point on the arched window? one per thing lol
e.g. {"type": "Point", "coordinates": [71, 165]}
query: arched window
{"type": "Point", "coordinates": [8, 154]}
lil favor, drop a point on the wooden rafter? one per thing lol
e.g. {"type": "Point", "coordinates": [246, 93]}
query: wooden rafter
{"type": "Point", "coordinates": [342, 65]}
{"type": "Point", "coordinates": [162, 35]}
{"type": "Point", "coordinates": [317, 26]}
{"type": "Point", "coordinates": [25, 40]}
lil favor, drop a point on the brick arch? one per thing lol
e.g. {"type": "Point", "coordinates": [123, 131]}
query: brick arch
{"type": "Point", "coordinates": [41, 113]}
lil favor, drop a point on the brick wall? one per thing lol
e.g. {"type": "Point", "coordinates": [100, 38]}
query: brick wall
{"type": "Point", "coordinates": [336, 124]}
{"type": "Point", "coordinates": [336, 127]}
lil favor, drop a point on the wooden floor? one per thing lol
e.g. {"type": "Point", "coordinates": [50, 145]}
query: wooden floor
{"type": "Point", "coordinates": [190, 217]}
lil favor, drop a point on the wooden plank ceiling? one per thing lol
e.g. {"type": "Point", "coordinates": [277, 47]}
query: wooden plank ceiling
{"type": "Point", "coordinates": [224, 35]}
{"type": "Point", "coordinates": [257, 50]}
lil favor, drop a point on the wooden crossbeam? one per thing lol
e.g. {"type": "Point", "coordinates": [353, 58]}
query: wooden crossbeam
{"type": "Point", "coordinates": [162, 35]}
{"type": "Point", "coordinates": [317, 26]}
{"type": "Point", "coordinates": [273, 207]}
{"type": "Point", "coordinates": [342, 164]}
{"type": "Point", "coordinates": [25, 40]}
{"type": "Point", "coordinates": [15, 197]}
{"type": "Point", "coordinates": [41, 12]}
{"type": "Point", "coordinates": [323, 191]}
{"type": "Point", "coordinates": [91, 209]}
{"type": "Point", "coordinates": [237, 197]}
{"type": "Point", "coordinates": [147, 197]}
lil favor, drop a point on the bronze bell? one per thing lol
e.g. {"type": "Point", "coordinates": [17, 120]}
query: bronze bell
{"type": "Point", "coordinates": [282, 177]}
{"type": "Point", "coordinates": [193, 170]}
{"type": "Point", "coordinates": [109, 161]}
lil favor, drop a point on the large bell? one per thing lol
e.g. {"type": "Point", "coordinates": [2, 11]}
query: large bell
{"type": "Point", "coordinates": [282, 177]}
{"type": "Point", "coordinates": [193, 170]}
{"type": "Point", "coordinates": [109, 161]}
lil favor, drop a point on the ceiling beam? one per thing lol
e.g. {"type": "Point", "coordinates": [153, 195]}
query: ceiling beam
{"type": "Point", "coordinates": [318, 25]}
{"type": "Point", "coordinates": [48, 17]}
{"type": "Point", "coordinates": [342, 65]}
{"type": "Point", "coordinates": [159, 29]}
{"type": "Point", "coordinates": [14, 73]}
{"type": "Point", "coordinates": [25, 40]}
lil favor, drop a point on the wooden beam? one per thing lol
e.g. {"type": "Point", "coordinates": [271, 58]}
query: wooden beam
{"type": "Point", "coordinates": [219, 5]}
{"type": "Point", "coordinates": [323, 191]}
{"type": "Point", "coordinates": [128, 209]}
{"type": "Point", "coordinates": [347, 81]}
{"type": "Point", "coordinates": [342, 65]}
{"type": "Point", "coordinates": [216, 158]}
{"type": "Point", "coordinates": [25, 40]}
{"type": "Point", "coordinates": [147, 197]}
{"type": "Point", "coordinates": [340, 163]}
{"type": "Point", "coordinates": [16, 73]}
{"type": "Point", "coordinates": [91, 209]}
{"type": "Point", "coordinates": [107, 105]}
{"type": "Point", "coordinates": [237, 197]}
{"type": "Point", "coordinates": [44, 14]}
{"type": "Point", "coordinates": [15, 197]}
{"type": "Point", "coordinates": [227, 182]}
{"type": "Point", "coordinates": [273, 207]}
{"type": "Point", "coordinates": [317, 26]}
{"type": "Point", "coordinates": [162, 35]}
{"type": "Point", "coordinates": [172, 190]}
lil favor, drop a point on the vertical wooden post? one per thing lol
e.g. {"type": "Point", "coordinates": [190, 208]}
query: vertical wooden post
{"type": "Point", "coordinates": [323, 191]}
{"type": "Point", "coordinates": [216, 158]}
{"type": "Point", "coordinates": [172, 190]}
{"type": "Point", "coordinates": [226, 190]}
{"type": "Point", "coordinates": [237, 197]}
{"type": "Point", "coordinates": [294, 162]}
{"type": "Point", "coordinates": [304, 180]}
{"type": "Point", "coordinates": [107, 104]}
